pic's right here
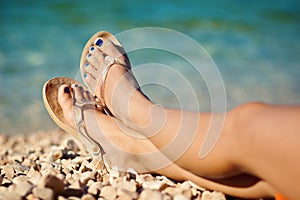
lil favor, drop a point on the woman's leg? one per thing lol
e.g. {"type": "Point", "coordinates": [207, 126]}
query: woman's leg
{"type": "Point", "coordinates": [265, 127]}
{"type": "Point", "coordinates": [267, 138]}
{"type": "Point", "coordinates": [168, 129]}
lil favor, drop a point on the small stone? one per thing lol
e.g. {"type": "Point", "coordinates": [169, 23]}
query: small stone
{"type": "Point", "coordinates": [71, 145]}
{"type": "Point", "coordinates": [74, 198]}
{"type": "Point", "coordinates": [43, 193]}
{"type": "Point", "coordinates": [10, 196]}
{"type": "Point", "coordinates": [154, 185]}
{"type": "Point", "coordinates": [27, 162]}
{"type": "Point", "coordinates": [195, 192]}
{"type": "Point", "coordinates": [165, 180]}
{"type": "Point", "coordinates": [144, 177]}
{"type": "Point", "coordinates": [86, 176]}
{"type": "Point", "coordinates": [108, 192]}
{"type": "Point", "coordinates": [78, 159]}
{"type": "Point", "coordinates": [206, 195]}
{"type": "Point", "coordinates": [56, 154]}
{"type": "Point", "coordinates": [185, 185]}
{"type": "Point", "coordinates": [20, 179]}
{"type": "Point", "coordinates": [1, 179]}
{"type": "Point", "coordinates": [180, 197]}
{"type": "Point", "coordinates": [88, 197]}
{"type": "Point", "coordinates": [31, 197]}
{"type": "Point", "coordinates": [8, 171]}
{"type": "Point", "coordinates": [194, 185]}
{"type": "Point", "coordinates": [20, 168]}
{"type": "Point", "coordinates": [95, 188]}
{"type": "Point", "coordinates": [85, 166]}
{"type": "Point", "coordinates": [122, 192]}
{"type": "Point", "coordinates": [124, 197]}
{"type": "Point", "coordinates": [129, 186]}
{"type": "Point", "coordinates": [61, 198]}
{"type": "Point", "coordinates": [12, 187]}
{"type": "Point", "coordinates": [187, 194]}
{"type": "Point", "coordinates": [76, 185]}
{"type": "Point", "coordinates": [35, 177]}
{"type": "Point", "coordinates": [71, 192]}
{"type": "Point", "coordinates": [23, 188]}
{"type": "Point", "coordinates": [166, 197]}
{"type": "Point", "coordinates": [217, 196]}
{"type": "Point", "coordinates": [173, 191]}
{"type": "Point", "coordinates": [106, 179]}
{"type": "Point", "coordinates": [114, 173]}
{"type": "Point", "coordinates": [131, 174]}
{"type": "Point", "coordinates": [56, 184]}
{"type": "Point", "coordinates": [6, 181]}
{"type": "Point", "coordinates": [149, 195]}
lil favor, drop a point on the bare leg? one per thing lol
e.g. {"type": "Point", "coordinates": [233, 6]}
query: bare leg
{"type": "Point", "coordinates": [231, 154]}
{"type": "Point", "coordinates": [124, 150]}
{"type": "Point", "coordinates": [267, 138]}
{"type": "Point", "coordinates": [157, 123]}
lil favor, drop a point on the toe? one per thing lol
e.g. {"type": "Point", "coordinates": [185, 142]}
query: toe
{"type": "Point", "coordinates": [66, 103]}
{"type": "Point", "coordinates": [88, 95]}
{"type": "Point", "coordinates": [89, 68]}
{"type": "Point", "coordinates": [108, 47]}
{"type": "Point", "coordinates": [78, 91]}
{"type": "Point", "coordinates": [91, 82]}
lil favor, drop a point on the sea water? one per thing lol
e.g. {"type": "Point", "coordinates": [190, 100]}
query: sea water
{"type": "Point", "coordinates": [254, 44]}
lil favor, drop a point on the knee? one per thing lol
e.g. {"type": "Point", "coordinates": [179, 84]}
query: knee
{"type": "Point", "coordinates": [248, 109]}
{"type": "Point", "coordinates": [244, 118]}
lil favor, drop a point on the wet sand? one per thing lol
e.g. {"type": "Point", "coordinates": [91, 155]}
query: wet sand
{"type": "Point", "coordinates": [54, 165]}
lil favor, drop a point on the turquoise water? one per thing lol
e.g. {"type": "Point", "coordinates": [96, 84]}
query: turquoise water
{"type": "Point", "coordinates": [255, 45]}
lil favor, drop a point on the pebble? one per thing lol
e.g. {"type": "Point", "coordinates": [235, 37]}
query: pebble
{"type": "Point", "coordinates": [52, 165]}
{"type": "Point", "coordinates": [43, 193]}
{"type": "Point", "coordinates": [108, 192]}
{"type": "Point", "coordinates": [53, 182]}
{"type": "Point", "coordinates": [180, 197]}
{"type": "Point", "coordinates": [154, 185]}
{"type": "Point", "coordinates": [150, 194]}
{"type": "Point", "coordinates": [23, 188]}
{"type": "Point", "coordinates": [8, 171]}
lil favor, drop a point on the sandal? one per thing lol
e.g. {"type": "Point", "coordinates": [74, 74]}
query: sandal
{"type": "Point", "coordinates": [50, 98]}
{"type": "Point", "coordinates": [109, 61]}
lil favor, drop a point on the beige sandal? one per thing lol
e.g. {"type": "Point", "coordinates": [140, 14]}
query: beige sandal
{"type": "Point", "coordinates": [50, 98]}
{"type": "Point", "coordinates": [109, 61]}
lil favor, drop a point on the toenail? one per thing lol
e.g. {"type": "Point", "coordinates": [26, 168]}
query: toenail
{"type": "Point", "coordinates": [67, 90]}
{"type": "Point", "coordinates": [99, 42]}
{"type": "Point", "coordinates": [86, 64]}
{"type": "Point", "coordinates": [84, 75]}
{"type": "Point", "coordinates": [92, 49]}
{"type": "Point", "coordinates": [89, 55]}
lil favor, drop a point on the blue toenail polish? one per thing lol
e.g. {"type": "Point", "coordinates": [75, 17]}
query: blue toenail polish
{"type": "Point", "coordinates": [67, 90]}
{"type": "Point", "coordinates": [92, 49]}
{"type": "Point", "coordinates": [84, 75]}
{"type": "Point", "coordinates": [89, 55]}
{"type": "Point", "coordinates": [86, 64]}
{"type": "Point", "coordinates": [99, 42]}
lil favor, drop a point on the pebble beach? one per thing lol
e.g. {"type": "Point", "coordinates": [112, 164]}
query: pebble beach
{"type": "Point", "coordinates": [54, 165]}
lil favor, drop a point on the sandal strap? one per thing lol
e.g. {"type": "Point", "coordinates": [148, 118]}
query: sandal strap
{"type": "Point", "coordinates": [92, 146]}
{"type": "Point", "coordinates": [109, 61]}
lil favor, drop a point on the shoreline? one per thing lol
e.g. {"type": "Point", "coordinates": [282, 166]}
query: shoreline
{"type": "Point", "coordinates": [54, 165]}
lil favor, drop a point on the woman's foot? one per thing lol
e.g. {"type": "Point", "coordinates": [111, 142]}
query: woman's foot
{"type": "Point", "coordinates": [116, 85]}
{"type": "Point", "coordinates": [123, 150]}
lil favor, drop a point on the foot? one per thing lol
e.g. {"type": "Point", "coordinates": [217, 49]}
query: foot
{"type": "Point", "coordinates": [122, 149]}
{"type": "Point", "coordinates": [115, 86]}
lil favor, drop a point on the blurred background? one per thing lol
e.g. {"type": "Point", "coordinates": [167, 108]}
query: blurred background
{"type": "Point", "coordinates": [255, 44]}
